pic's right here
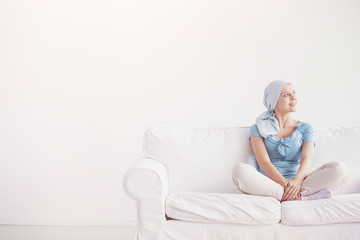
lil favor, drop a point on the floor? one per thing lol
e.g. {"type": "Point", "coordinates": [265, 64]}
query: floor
{"type": "Point", "coordinates": [17, 232]}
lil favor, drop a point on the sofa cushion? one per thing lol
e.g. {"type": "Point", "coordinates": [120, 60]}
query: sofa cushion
{"type": "Point", "coordinates": [338, 209]}
{"type": "Point", "coordinates": [199, 159]}
{"type": "Point", "coordinates": [223, 208]}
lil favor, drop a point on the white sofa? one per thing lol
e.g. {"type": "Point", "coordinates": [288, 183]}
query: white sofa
{"type": "Point", "coordinates": [183, 189]}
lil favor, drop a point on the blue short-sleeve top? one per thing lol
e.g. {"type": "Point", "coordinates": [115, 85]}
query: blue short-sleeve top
{"type": "Point", "coordinates": [285, 153]}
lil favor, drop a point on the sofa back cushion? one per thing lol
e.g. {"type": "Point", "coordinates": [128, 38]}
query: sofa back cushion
{"type": "Point", "coordinates": [201, 159]}
{"type": "Point", "coordinates": [337, 144]}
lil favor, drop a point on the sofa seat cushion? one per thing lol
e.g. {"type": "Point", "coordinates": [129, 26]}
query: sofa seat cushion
{"type": "Point", "coordinates": [223, 208]}
{"type": "Point", "coordinates": [338, 209]}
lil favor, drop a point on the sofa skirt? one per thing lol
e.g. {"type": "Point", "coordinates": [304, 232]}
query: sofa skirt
{"type": "Point", "coordinates": [181, 230]}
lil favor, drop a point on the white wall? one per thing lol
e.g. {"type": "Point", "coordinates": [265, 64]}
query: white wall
{"type": "Point", "coordinates": [81, 80]}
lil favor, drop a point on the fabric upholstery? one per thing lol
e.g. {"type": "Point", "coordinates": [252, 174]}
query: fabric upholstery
{"type": "Point", "coordinates": [223, 208]}
{"type": "Point", "coordinates": [338, 209]}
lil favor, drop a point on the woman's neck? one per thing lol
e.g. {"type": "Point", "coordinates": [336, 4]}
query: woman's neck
{"type": "Point", "coordinates": [285, 120]}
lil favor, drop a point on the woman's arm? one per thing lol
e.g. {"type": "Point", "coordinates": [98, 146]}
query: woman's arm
{"type": "Point", "coordinates": [292, 191]}
{"type": "Point", "coordinates": [262, 157]}
{"type": "Point", "coordinates": [307, 154]}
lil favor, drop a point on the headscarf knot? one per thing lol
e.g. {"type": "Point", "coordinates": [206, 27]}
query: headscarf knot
{"type": "Point", "coordinates": [267, 123]}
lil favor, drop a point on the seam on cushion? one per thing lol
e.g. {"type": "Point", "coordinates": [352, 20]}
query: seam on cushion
{"type": "Point", "coordinates": [331, 222]}
{"type": "Point", "coordinates": [321, 204]}
{"type": "Point", "coordinates": [305, 206]}
{"type": "Point", "coordinates": [217, 221]}
{"type": "Point", "coordinates": [175, 202]}
{"type": "Point", "coordinates": [241, 201]}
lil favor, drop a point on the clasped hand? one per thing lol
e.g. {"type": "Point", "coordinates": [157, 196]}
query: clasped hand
{"type": "Point", "coordinates": [292, 190]}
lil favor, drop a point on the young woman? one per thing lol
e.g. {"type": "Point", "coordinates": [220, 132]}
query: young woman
{"type": "Point", "coordinates": [284, 149]}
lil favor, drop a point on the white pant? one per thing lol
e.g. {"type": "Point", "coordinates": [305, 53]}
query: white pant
{"type": "Point", "coordinates": [330, 176]}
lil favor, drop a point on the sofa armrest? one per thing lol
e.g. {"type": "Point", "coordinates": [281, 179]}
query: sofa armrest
{"type": "Point", "coordinates": [147, 182]}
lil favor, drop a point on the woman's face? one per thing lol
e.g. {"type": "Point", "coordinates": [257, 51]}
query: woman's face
{"type": "Point", "coordinates": [287, 100]}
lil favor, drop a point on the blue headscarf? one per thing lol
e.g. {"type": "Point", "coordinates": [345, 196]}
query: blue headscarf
{"type": "Point", "coordinates": [266, 123]}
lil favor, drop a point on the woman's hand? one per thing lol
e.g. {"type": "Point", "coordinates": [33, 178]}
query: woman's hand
{"type": "Point", "coordinates": [292, 190]}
